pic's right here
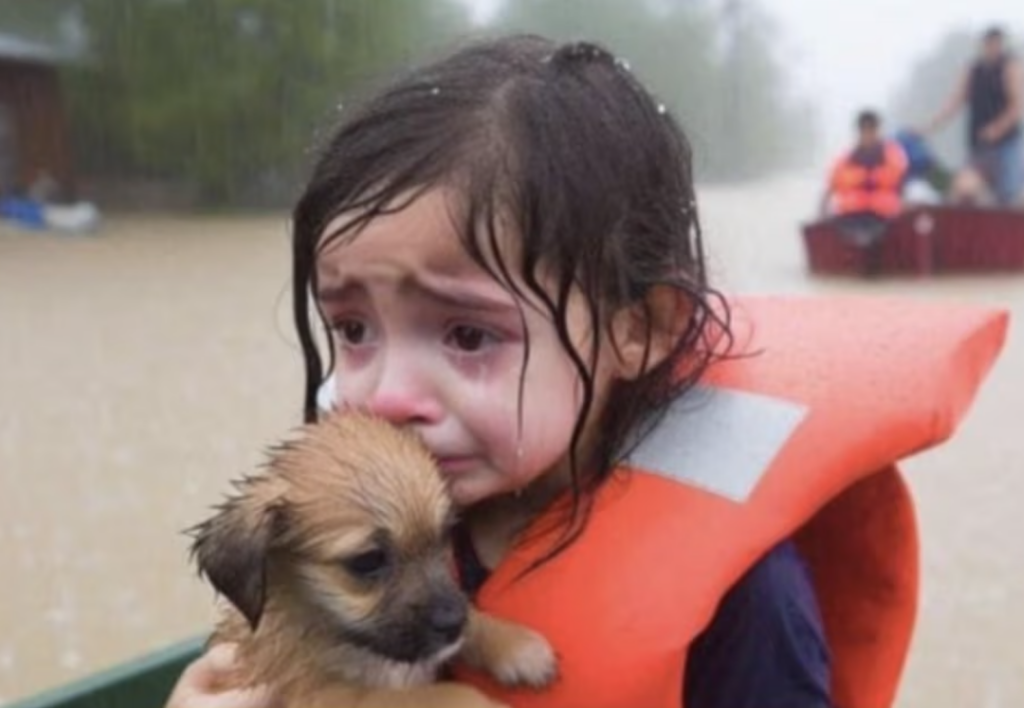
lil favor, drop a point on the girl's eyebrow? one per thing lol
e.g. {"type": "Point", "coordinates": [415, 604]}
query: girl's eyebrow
{"type": "Point", "coordinates": [454, 295]}
{"type": "Point", "coordinates": [448, 293]}
{"type": "Point", "coordinates": [339, 292]}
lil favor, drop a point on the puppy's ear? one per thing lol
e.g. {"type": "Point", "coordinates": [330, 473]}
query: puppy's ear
{"type": "Point", "coordinates": [231, 548]}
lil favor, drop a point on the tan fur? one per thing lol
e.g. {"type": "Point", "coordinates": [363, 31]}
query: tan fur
{"type": "Point", "coordinates": [280, 550]}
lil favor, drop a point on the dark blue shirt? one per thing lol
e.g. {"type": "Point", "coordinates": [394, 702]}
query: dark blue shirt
{"type": "Point", "coordinates": [765, 647]}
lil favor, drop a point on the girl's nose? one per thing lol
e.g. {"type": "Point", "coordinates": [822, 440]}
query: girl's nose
{"type": "Point", "coordinates": [405, 394]}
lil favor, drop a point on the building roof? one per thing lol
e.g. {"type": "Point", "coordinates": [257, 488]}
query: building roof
{"type": "Point", "coordinates": [13, 47]}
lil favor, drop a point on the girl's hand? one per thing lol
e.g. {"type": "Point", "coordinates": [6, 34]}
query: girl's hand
{"type": "Point", "coordinates": [200, 684]}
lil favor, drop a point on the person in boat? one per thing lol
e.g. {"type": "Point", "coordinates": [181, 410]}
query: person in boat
{"type": "Point", "coordinates": [865, 186]}
{"type": "Point", "coordinates": [992, 90]}
{"type": "Point", "coordinates": [928, 179]}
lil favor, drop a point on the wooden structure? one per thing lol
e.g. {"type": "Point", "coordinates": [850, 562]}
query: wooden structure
{"type": "Point", "coordinates": [34, 139]}
{"type": "Point", "coordinates": [924, 240]}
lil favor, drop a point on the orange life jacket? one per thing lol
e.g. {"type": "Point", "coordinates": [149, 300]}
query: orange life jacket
{"type": "Point", "coordinates": [857, 188]}
{"type": "Point", "coordinates": [798, 440]}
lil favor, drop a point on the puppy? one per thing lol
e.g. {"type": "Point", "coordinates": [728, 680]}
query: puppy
{"type": "Point", "coordinates": [337, 562]}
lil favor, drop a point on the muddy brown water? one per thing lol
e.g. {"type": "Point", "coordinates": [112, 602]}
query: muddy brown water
{"type": "Point", "coordinates": [143, 368]}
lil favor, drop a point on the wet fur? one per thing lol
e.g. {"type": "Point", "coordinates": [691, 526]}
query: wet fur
{"type": "Point", "coordinates": [323, 636]}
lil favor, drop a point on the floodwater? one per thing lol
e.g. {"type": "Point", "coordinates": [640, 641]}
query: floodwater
{"type": "Point", "coordinates": [142, 369]}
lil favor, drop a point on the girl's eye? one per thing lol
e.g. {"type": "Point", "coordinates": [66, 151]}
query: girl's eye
{"type": "Point", "coordinates": [351, 331]}
{"type": "Point", "coordinates": [467, 338]}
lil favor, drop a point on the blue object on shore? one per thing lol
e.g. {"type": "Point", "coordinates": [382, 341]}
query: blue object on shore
{"type": "Point", "coordinates": [27, 213]}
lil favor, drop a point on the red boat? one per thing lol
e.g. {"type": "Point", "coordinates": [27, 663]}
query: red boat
{"type": "Point", "coordinates": [923, 240]}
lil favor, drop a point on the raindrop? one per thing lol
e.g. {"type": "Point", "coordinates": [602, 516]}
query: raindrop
{"type": "Point", "coordinates": [70, 659]}
{"type": "Point", "coordinates": [6, 659]}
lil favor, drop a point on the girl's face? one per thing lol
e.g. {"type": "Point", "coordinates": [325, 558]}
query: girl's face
{"type": "Point", "coordinates": [426, 338]}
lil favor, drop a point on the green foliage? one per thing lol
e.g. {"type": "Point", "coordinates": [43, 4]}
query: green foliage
{"type": "Point", "coordinates": [226, 94]}
{"type": "Point", "coordinates": [36, 20]}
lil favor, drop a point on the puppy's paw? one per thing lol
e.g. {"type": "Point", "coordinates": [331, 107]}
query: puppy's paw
{"type": "Point", "coordinates": [512, 654]}
{"type": "Point", "coordinates": [526, 659]}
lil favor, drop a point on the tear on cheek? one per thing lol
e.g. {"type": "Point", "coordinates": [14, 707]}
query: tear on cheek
{"type": "Point", "coordinates": [478, 370]}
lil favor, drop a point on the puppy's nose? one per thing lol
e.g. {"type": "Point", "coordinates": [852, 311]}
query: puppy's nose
{"type": "Point", "coordinates": [447, 617]}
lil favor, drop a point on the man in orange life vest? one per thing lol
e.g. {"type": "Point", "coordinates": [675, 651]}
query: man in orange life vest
{"type": "Point", "coordinates": [865, 187]}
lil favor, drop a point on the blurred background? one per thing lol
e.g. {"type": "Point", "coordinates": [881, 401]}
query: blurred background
{"type": "Point", "coordinates": [145, 347]}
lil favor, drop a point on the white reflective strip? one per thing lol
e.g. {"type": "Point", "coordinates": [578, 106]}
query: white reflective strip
{"type": "Point", "coordinates": [719, 440]}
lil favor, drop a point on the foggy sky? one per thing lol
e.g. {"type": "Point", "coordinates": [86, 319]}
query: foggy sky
{"type": "Point", "coordinates": [849, 54]}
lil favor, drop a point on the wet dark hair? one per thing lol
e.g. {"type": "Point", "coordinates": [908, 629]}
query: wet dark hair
{"type": "Point", "coordinates": [994, 33]}
{"type": "Point", "coordinates": [868, 119]}
{"type": "Point", "coordinates": [564, 145]}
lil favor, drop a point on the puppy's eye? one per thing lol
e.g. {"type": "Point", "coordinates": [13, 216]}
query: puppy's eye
{"type": "Point", "coordinates": [368, 564]}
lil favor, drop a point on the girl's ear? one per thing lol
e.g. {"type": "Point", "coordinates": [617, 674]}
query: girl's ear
{"type": "Point", "coordinates": [645, 332]}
